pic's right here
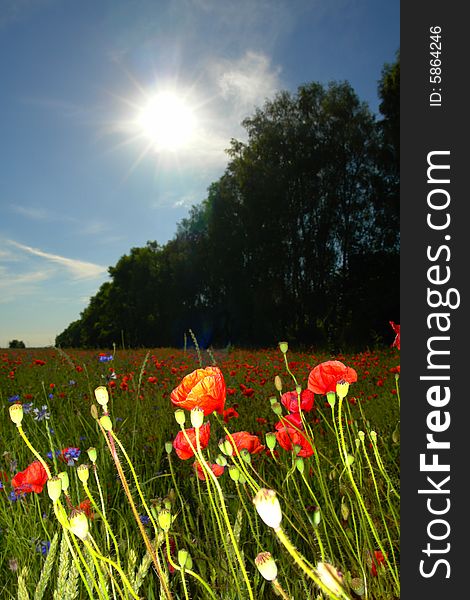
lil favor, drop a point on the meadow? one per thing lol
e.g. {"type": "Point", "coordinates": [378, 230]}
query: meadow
{"type": "Point", "coordinates": [187, 473]}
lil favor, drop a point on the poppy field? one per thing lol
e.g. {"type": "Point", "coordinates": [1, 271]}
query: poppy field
{"type": "Point", "coordinates": [188, 473]}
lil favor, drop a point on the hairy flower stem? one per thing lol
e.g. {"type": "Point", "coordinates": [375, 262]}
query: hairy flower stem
{"type": "Point", "coordinates": [34, 451]}
{"type": "Point", "coordinates": [358, 494]}
{"type": "Point", "coordinates": [215, 510]}
{"type": "Point", "coordinates": [77, 564]}
{"type": "Point", "coordinates": [280, 590]}
{"type": "Point", "coordinates": [103, 508]}
{"type": "Point", "coordinates": [136, 481]}
{"type": "Point", "coordinates": [154, 556]}
{"type": "Point", "coordinates": [104, 519]}
{"type": "Point", "coordinates": [381, 511]}
{"type": "Point", "coordinates": [225, 514]}
{"type": "Point", "coordinates": [99, 556]}
{"type": "Point", "coordinates": [299, 560]}
{"type": "Point", "coordinates": [184, 571]}
{"type": "Point", "coordinates": [178, 493]}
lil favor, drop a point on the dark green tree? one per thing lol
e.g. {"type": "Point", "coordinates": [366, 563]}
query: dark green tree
{"type": "Point", "coordinates": [16, 344]}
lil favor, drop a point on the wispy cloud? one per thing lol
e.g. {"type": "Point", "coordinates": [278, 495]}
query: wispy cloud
{"type": "Point", "coordinates": [32, 212]}
{"type": "Point", "coordinates": [13, 286]}
{"type": "Point", "coordinates": [78, 269]}
{"type": "Point", "coordinates": [247, 82]}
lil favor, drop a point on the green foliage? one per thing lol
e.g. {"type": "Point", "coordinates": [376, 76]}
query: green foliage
{"type": "Point", "coordinates": [16, 344]}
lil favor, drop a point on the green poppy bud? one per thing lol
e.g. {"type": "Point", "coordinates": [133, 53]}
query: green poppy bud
{"type": "Point", "coordinates": [54, 488]}
{"type": "Point", "coordinates": [266, 566]}
{"type": "Point", "coordinates": [16, 413]}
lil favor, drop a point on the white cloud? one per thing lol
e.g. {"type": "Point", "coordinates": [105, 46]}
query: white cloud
{"type": "Point", "coordinates": [79, 269]}
{"type": "Point", "coordinates": [247, 82]}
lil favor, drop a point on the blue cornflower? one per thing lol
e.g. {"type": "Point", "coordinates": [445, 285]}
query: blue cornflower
{"type": "Point", "coordinates": [105, 357]}
{"type": "Point", "coordinates": [56, 452]}
{"type": "Point", "coordinates": [43, 547]}
{"type": "Point", "coordinates": [72, 382]}
{"type": "Point", "coordinates": [27, 406]}
{"type": "Point", "coordinates": [51, 396]}
{"type": "Point", "coordinates": [41, 413]}
{"type": "Point", "coordinates": [144, 519]}
{"type": "Point", "coordinates": [1, 485]}
{"type": "Point", "coordinates": [71, 455]}
{"type": "Point", "coordinates": [15, 398]}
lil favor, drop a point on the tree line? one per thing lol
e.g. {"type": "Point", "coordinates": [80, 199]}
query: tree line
{"type": "Point", "coordinates": [297, 240]}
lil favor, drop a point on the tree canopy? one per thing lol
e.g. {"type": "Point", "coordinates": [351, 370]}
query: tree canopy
{"type": "Point", "coordinates": [298, 240]}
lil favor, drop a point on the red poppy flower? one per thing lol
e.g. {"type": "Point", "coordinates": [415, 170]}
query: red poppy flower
{"type": "Point", "coordinates": [32, 479]}
{"type": "Point", "coordinates": [288, 437]}
{"type": "Point", "coordinates": [324, 377]}
{"type": "Point", "coordinates": [396, 329]}
{"type": "Point", "coordinates": [230, 413]}
{"type": "Point", "coordinates": [246, 441]}
{"type": "Point", "coordinates": [292, 419]}
{"type": "Point", "coordinates": [38, 361]}
{"type": "Point", "coordinates": [181, 444]}
{"type": "Point", "coordinates": [378, 559]}
{"type": "Point", "coordinates": [215, 468]}
{"type": "Point", "coordinates": [85, 506]}
{"type": "Point", "coordinates": [203, 388]}
{"type": "Point", "coordinates": [291, 401]}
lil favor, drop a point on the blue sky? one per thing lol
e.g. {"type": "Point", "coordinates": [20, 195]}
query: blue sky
{"type": "Point", "coordinates": [82, 177]}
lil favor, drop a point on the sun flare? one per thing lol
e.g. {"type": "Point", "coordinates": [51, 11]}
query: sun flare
{"type": "Point", "coordinates": [167, 121]}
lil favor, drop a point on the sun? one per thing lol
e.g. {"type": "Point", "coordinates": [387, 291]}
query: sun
{"type": "Point", "coordinates": [167, 122]}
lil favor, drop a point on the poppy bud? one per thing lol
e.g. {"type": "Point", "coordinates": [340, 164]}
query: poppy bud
{"type": "Point", "coordinates": [277, 408]}
{"type": "Point", "coordinates": [180, 417]}
{"type": "Point", "coordinates": [79, 524]}
{"type": "Point", "coordinates": [184, 559]}
{"type": "Point", "coordinates": [92, 454]}
{"type": "Point", "coordinates": [94, 411]}
{"type": "Point", "coordinates": [373, 436]}
{"type": "Point", "coordinates": [268, 507]}
{"type": "Point", "coordinates": [164, 519]}
{"type": "Point", "coordinates": [234, 473]}
{"type": "Point", "coordinates": [221, 460]}
{"type": "Point", "coordinates": [168, 447]}
{"type": "Point", "coordinates": [357, 586]}
{"type": "Point", "coordinates": [342, 389]}
{"type": "Point", "coordinates": [197, 417]}
{"type": "Point", "coordinates": [245, 455]}
{"type": "Point", "coordinates": [278, 383]}
{"type": "Point", "coordinates": [16, 414]}
{"type": "Point", "coordinates": [330, 577]}
{"type": "Point", "coordinates": [101, 395]}
{"type": "Point", "coordinates": [54, 488]}
{"type": "Point", "coordinates": [83, 473]}
{"type": "Point", "coordinates": [331, 398]}
{"type": "Point", "coordinates": [349, 460]}
{"type": "Point", "coordinates": [106, 423]}
{"type": "Point", "coordinates": [64, 476]}
{"type": "Point", "coordinates": [296, 449]}
{"type": "Point", "coordinates": [225, 447]}
{"type": "Point", "coordinates": [361, 435]}
{"type": "Point", "coordinates": [344, 510]}
{"type": "Point", "coordinates": [299, 463]}
{"type": "Point", "coordinates": [283, 347]}
{"type": "Point", "coordinates": [316, 516]}
{"type": "Point", "coordinates": [266, 566]}
{"type": "Point", "coordinates": [271, 440]}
